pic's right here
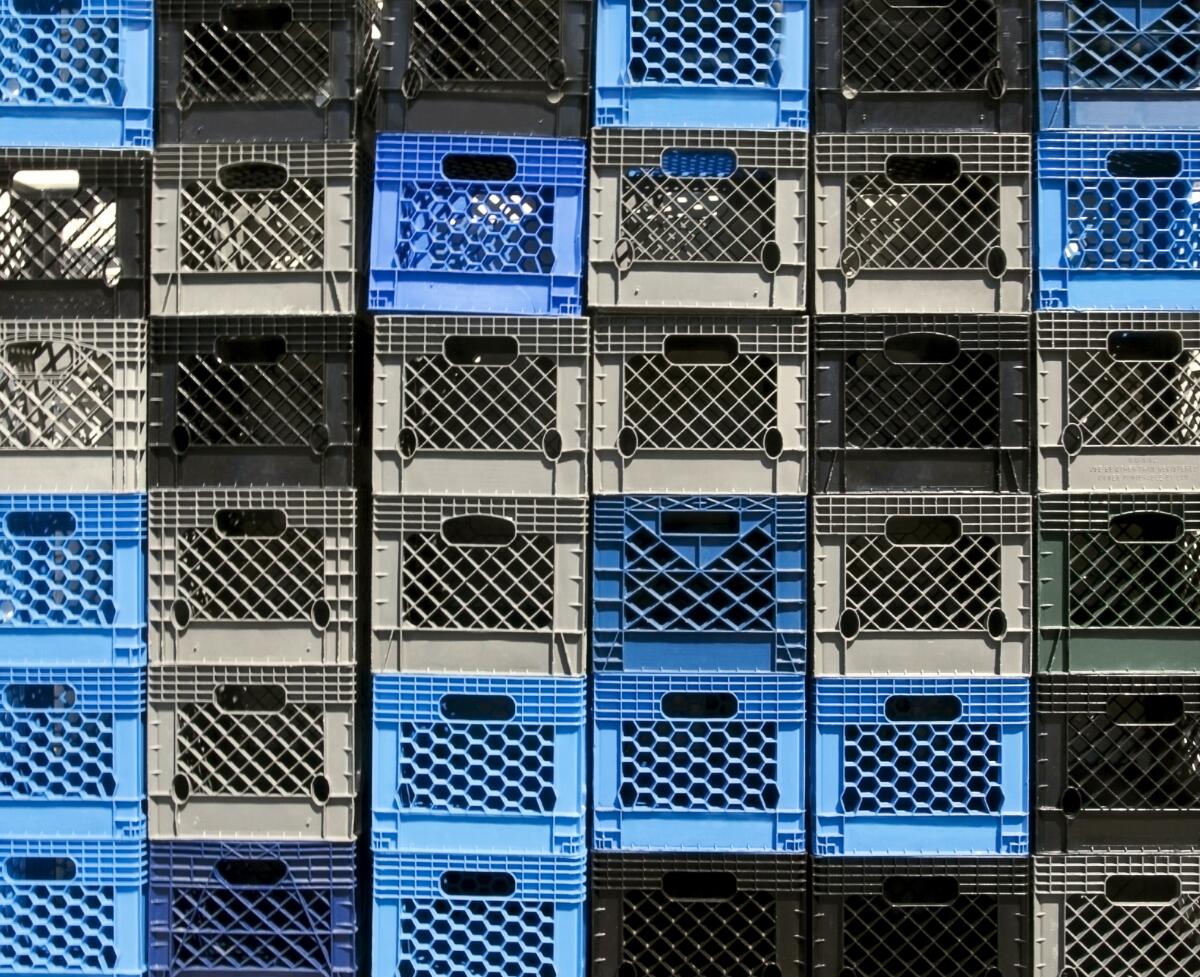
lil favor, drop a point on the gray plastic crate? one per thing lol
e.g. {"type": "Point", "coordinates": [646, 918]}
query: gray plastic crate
{"type": "Point", "coordinates": [73, 405]}
{"type": "Point", "coordinates": [698, 218]}
{"type": "Point", "coordinates": [1119, 400]}
{"type": "Point", "coordinates": [700, 403]}
{"type": "Point", "coordinates": [922, 223]}
{"type": "Point", "coordinates": [252, 576]}
{"type": "Point", "coordinates": [923, 584]}
{"type": "Point", "coordinates": [252, 752]}
{"type": "Point", "coordinates": [470, 403]}
{"type": "Point", "coordinates": [1116, 915]}
{"type": "Point", "coordinates": [479, 584]}
{"type": "Point", "coordinates": [256, 229]}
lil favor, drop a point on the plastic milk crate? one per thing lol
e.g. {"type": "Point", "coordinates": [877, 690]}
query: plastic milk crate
{"type": "Point", "coordinates": [478, 763]}
{"type": "Point", "coordinates": [485, 224]}
{"type": "Point", "coordinates": [921, 766]}
{"type": "Point", "coordinates": [700, 583]}
{"type": "Point", "coordinates": [698, 762]}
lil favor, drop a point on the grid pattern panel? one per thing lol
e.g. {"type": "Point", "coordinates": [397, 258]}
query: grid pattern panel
{"type": "Point", "coordinates": [440, 937]}
{"type": "Point", "coordinates": [1105, 49]}
{"type": "Point", "coordinates": [64, 60]}
{"type": "Point", "coordinates": [63, 928]}
{"type": "Point", "coordinates": [1135, 404]}
{"type": "Point", "coordinates": [1131, 224]}
{"type": "Point", "coordinates": [55, 395]}
{"type": "Point", "coordinates": [56, 750]}
{"type": "Point", "coordinates": [1116, 583]}
{"type": "Point", "coordinates": [286, 65]}
{"type": "Point", "coordinates": [48, 581]}
{"type": "Point", "coordinates": [471, 41]}
{"type": "Point", "coordinates": [717, 42]}
{"type": "Point", "coordinates": [1127, 940]}
{"type": "Point", "coordinates": [62, 238]}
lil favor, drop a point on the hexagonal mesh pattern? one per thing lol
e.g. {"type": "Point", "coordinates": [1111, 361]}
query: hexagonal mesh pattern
{"type": "Point", "coordinates": [1134, 404]}
{"type": "Point", "coordinates": [456, 41]}
{"type": "Point", "coordinates": [1133, 224]}
{"type": "Point", "coordinates": [65, 60]}
{"type": "Point", "coordinates": [59, 237]}
{"type": "Point", "coordinates": [57, 395]}
{"type": "Point", "coordinates": [922, 769]}
{"type": "Point", "coordinates": [705, 42]}
{"type": "Point", "coordinates": [727, 766]}
{"type": "Point", "coordinates": [477, 766]}
{"type": "Point", "coordinates": [439, 937]}
{"type": "Point", "coordinates": [1108, 49]}
{"type": "Point", "coordinates": [53, 749]}
{"type": "Point", "coordinates": [1101, 937]}
{"type": "Point", "coordinates": [222, 65]}
{"type": "Point", "coordinates": [51, 581]}
{"type": "Point", "coordinates": [65, 928]}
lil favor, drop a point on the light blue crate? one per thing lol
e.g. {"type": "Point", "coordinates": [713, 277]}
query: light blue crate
{"type": "Point", "coordinates": [478, 764]}
{"type": "Point", "coordinates": [695, 762]}
{"type": "Point", "coordinates": [78, 74]}
{"type": "Point", "coordinates": [921, 766]}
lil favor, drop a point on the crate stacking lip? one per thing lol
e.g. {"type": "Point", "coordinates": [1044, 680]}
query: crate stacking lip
{"type": "Point", "coordinates": [688, 762]}
{"type": "Point", "coordinates": [479, 764]}
{"type": "Point", "coordinates": [483, 224]}
{"type": "Point", "coordinates": [929, 766]}
{"type": "Point", "coordinates": [699, 584]}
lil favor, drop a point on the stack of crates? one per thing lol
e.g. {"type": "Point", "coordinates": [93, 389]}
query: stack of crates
{"type": "Point", "coordinates": [1117, 872]}
{"type": "Point", "coordinates": [480, 482]}
{"type": "Point", "coordinates": [697, 273]}
{"type": "Point", "coordinates": [922, 539]}
{"type": "Point", "coordinates": [76, 128]}
{"type": "Point", "coordinates": [256, 208]}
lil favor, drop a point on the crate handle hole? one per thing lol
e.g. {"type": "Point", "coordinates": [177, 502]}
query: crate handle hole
{"type": "Point", "coordinates": [771, 257]}
{"type": "Point", "coordinates": [478, 884]}
{"type": "Point", "coordinates": [773, 443]}
{"type": "Point", "coordinates": [42, 696]}
{"type": "Point", "coordinates": [237, 697]}
{"type": "Point", "coordinates": [256, 18]}
{"type": "Point", "coordinates": [1146, 528]}
{"type": "Point", "coordinates": [481, 350]}
{"type": "Point", "coordinates": [37, 358]}
{"type": "Point", "coordinates": [938, 530]}
{"type": "Point", "coordinates": [479, 167]}
{"type": "Point", "coordinates": [40, 868]}
{"type": "Point", "coordinates": [406, 444]}
{"type": "Point", "coordinates": [319, 439]}
{"type": "Point", "coordinates": [412, 83]}
{"type": "Point", "coordinates": [699, 705]}
{"type": "Point", "coordinates": [698, 163]}
{"type": "Point", "coordinates": [623, 254]}
{"type": "Point", "coordinates": [320, 789]}
{"type": "Point", "coordinates": [919, 348]}
{"type": "Point", "coordinates": [479, 529]}
{"type": "Point", "coordinates": [552, 445]}
{"type": "Point", "coordinates": [1145, 345]}
{"type": "Point", "coordinates": [922, 168]}
{"type": "Point", "coordinates": [922, 708]}
{"type": "Point", "coordinates": [181, 787]}
{"type": "Point", "coordinates": [256, 872]}
{"type": "Point", "coordinates": [1166, 709]}
{"type": "Point", "coordinates": [321, 614]}
{"type": "Point", "coordinates": [682, 886]}
{"type": "Point", "coordinates": [685, 350]}
{"type": "Point", "coordinates": [996, 83]}
{"type": "Point", "coordinates": [47, 524]}
{"type": "Point", "coordinates": [701, 523]}
{"type": "Point", "coordinates": [627, 442]}
{"type": "Point", "coordinates": [1071, 802]}
{"type": "Point", "coordinates": [181, 439]}
{"type": "Point", "coordinates": [1068, 972]}
{"type": "Point", "coordinates": [252, 176]}
{"type": "Point", "coordinates": [483, 708]}
{"type": "Point", "coordinates": [1072, 439]}
{"type": "Point", "coordinates": [997, 263]}
{"type": "Point", "coordinates": [848, 972]}
{"type": "Point", "coordinates": [181, 613]}
{"type": "Point", "coordinates": [907, 890]}
{"type": "Point", "coordinates": [627, 970]}
{"type": "Point", "coordinates": [1144, 164]}
{"type": "Point", "coordinates": [251, 522]}
{"type": "Point", "coordinates": [772, 970]}
{"type": "Point", "coordinates": [851, 263]}
{"type": "Point", "coordinates": [1142, 890]}
{"type": "Point", "coordinates": [45, 183]}
{"type": "Point", "coordinates": [250, 349]}
{"type": "Point", "coordinates": [997, 624]}
{"type": "Point", "coordinates": [849, 623]}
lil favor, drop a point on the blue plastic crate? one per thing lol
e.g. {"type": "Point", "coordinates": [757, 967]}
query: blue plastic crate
{"type": "Point", "coordinates": [1125, 64]}
{"type": "Point", "coordinates": [70, 906]}
{"type": "Point", "coordinates": [487, 224]}
{"type": "Point", "coordinates": [724, 64]}
{"type": "Point", "coordinates": [268, 908]}
{"type": "Point", "coordinates": [700, 583]}
{"type": "Point", "coordinates": [72, 751]}
{"type": "Point", "coordinates": [478, 764]}
{"type": "Point", "coordinates": [494, 915]}
{"type": "Point", "coordinates": [1119, 224]}
{"type": "Point", "coordinates": [691, 762]}
{"type": "Point", "coordinates": [73, 579]}
{"type": "Point", "coordinates": [77, 73]}
{"type": "Point", "coordinates": [922, 766]}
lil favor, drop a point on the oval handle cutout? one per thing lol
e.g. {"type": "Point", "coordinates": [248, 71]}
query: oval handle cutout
{"type": "Point", "coordinates": [682, 163]}
{"type": "Point", "coordinates": [849, 623]}
{"type": "Point", "coordinates": [923, 168]}
{"type": "Point", "coordinates": [1145, 710]}
{"type": "Point", "coordinates": [1142, 890]}
{"type": "Point", "coordinates": [41, 359]}
{"type": "Point", "coordinates": [256, 18]}
{"type": "Point", "coordinates": [699, 705]}
{"type": "Point", "coordinates": [481, 350]}
{"type": "Point", "coordinates": [250, 698]}
{"type": "Point", "coordinates": [922, 708]}
{"type": "Point", "coordinates": [1071, 802]}
{"type": "Point", "coordinates": [42, 696]}
{"type": "Point", "coordinates": [45, 183]}
{"type": "Point", "coordinates": [478, 884]}
{"type": "Point", "coordinates": [251, 522]}
{"type": "Point", "coordinates": [627, 442]}
{"type": "Point", "coordinates": [1144, 164]}
{"type": "Point", "coordinates": [923, 530]}
{"type": "Point", "coordinates": [1139, 528]}
{"type": "Point", "coordinates": [995, 82]}
{"type": "Point", "coordinates": [997, 624]}
{"type": "Point", "coordinates": [1146, 345]}
{"type": "Point", "coordinates": [252, 176]}
{"type": "Point", "coordinates": [252, 871]}
{"type": "Point", "coordinates": [26, 524]}
{"type": "Point", "coordinates": [35, 868]}
{"type": "Point", "coordinates": [462, 707]}
{"type": "Point", "coordinates": [1072, 439]}
{"type": "Point", "coordinates": [250, 349]}
{"type": "Point", "coordinates": [699, 886]}
{"type": "Point", "coordinates": [479, 530]}
{"type": "Point", "coordinates": [700, 523]}
{"type": "Point", "coordinates": [772, 443]}
{"type": "Point", "coordinates": [700, 350]}
{"type": "Point", "coordinates": [906, 890]}
{"type": "Point", "coordinates": [914, 348]}
{"type": "Point", "coordinates": [479, 167]}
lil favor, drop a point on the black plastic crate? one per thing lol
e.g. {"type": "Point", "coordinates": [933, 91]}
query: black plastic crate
{"type": "Point", "coordinates": [252, 401]}
{"type": "Point", "coordinates": [1118, 762]}
{"type": "Point", "coordinates": [255, 70]}
{"type": "Point", "coordinates": [490, 66]}
{"type": "Point", "coordinates": [702, 915]}
{"type": "Point", "coordinates": [918, 403]}
{"type": "Point", "coordinates": [882, 65]}
{"type": "Point", "coordinates": [73, 231]}
{"type": "Point", "coordinates": [876, 917]}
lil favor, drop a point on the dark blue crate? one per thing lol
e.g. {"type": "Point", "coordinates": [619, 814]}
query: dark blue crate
{"type": "Point", "coordinates": [437, 915]}
{"type": "Point", "coordinates": [72, 751]}
{"type": "Point", "coordinates": [1118, 225]}
{"type": "Point", "coordinates": [689, 762]}
{"type": "Point", "coordinates": [77, 74]}
{"type": "Point", "coordinates": [739, 64]}
{"type": "Point", "coordinates": [229, 909]}
{"type": "Point", "coordinates": [73, 579]}
{"type": "Point", "coordinates": [921, 766]}
{"type": "Point", "coordinates": [1122, 64]}
{"type": "Point", "coordinates": [487, 224]}
{"type": "Point", "coordinates": [478, 764]}
{"type": "Point", "coordinates": [71, 906]}
{"type": "Point", "coordinates": [700, 583]}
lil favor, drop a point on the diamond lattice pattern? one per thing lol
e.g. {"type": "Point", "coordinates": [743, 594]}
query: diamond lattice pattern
{"type": "Point", "coordinates": [68, 238]}
{"type": "Point", "coordinates": [55, 395]}
{"type": "Point", "coordinates": [1117, 583]}
{"type": "Point", "coordinates": [286, 65]}
{"type": "Point", "coordinates": [1130, 940]}
{"type": "Point", "coordinates": [1105, 49]}
{"type": "Point", "coordinates": [1135, 403]}
{"type": "Point", "coordinates": [464, 41]}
